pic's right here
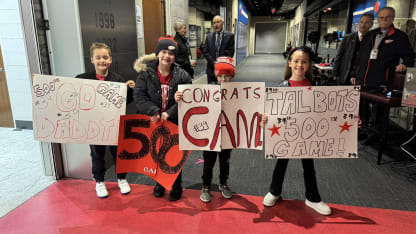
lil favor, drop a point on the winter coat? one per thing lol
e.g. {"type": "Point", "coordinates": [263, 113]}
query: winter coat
{"type": "Point", "coordinates": [375, 72]}
{"type": "Point", "coordinates": [148, 94]}
{"type": "Point", "coordinates": [184, 52]}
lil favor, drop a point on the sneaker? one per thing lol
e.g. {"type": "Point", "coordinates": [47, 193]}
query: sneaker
{"type": "Point", "coordinates": [205, 195]}
{"type": "Point", "coordinates": [270, 199]}
{"type": "Point", "coordinates": [124, 186]}
{"type": "Point", "coordinates": [175, 194]}
{"type": "Point", "coordinates": [101, 190]}
{"type": "Point", "coordinates": [319, 207]}
{"type": "Point", "coordinates": [225, 191]}
{"type": "Point", "coordinates": [158, 191]}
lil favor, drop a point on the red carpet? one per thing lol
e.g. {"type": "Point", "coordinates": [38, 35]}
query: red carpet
{"type": "Point", "coordinates": [71, 206]}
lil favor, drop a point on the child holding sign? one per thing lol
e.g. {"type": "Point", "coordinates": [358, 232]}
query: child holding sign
{"type": "Point", "coordinates": [101, 58]}
{"type": "Point", "coordinates": [157, 81]}
{"type": "Point", "coordinates": [298, 73]}
{"type": "Point", "coordinates": [224, 72]}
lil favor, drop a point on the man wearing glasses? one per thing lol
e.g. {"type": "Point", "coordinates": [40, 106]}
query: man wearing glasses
{"type": "Point", "coordinates": [379, 58]}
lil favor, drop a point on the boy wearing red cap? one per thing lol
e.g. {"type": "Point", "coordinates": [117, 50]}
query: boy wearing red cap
{"type": "Point", "coordinates": [224, 71]}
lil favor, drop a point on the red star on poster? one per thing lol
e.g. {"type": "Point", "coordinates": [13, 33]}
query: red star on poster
{"type": "Point", "coordinates": [275, 130]}
{"type": "Point", "coordinates": [345, 127]}
{"type": "Point", "coordinates": [309, 88]}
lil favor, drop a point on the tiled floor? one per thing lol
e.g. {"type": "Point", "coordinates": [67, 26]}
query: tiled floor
{"type": "Point", "coordinates": [21, 173]}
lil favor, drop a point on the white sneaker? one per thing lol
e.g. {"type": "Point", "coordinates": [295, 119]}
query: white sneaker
{"type": "Point", "coordinates": [101, 190]}
{"type": "Point", "coordinates": [319, 207]}
{"type": "Point", "coordinates": [124, 186]}
{"type": "Point", "coordinates": [270, 199]}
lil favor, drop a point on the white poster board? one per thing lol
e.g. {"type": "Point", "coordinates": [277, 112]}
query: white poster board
{"type": "Point", "coordinates": [213, 117]}
{"type": "Point", "coordinates": [242, 106]}
{"type": "Point", "coordinates": [81, 111]}
{"type": "Point", "coordinates": [311, 122]}
{"type": "Point", "coordinates": [199, 112]}
{"type": "Point", "coordinates": [409, 90]}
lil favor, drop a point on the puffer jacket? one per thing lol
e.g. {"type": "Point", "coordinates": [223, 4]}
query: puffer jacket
{"type": "Point", "coordinates": [148, 94]}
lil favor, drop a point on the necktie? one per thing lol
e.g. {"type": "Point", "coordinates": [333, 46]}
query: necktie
{"type": "Point", "coordinates": [361, 38]}
{"type": "Point", "coordinates": [218, 44]}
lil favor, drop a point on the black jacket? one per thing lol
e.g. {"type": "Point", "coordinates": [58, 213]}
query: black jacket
{"type": "Point", "coordinates": [344, 61]}
{"type": "Point", "coordinates": [209, 50]}
{"type": "Point", "coordinates": [183, 54]}
{"type": "Point", "coordinates": [395, 45]}
{"type": "Point", "coordinates": [112, 76]}
{"type": "Point", "coordinates": [147, 94]}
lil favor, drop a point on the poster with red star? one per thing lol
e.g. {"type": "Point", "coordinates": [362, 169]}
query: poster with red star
{"type": "Point", "coordinates": [311, 122]}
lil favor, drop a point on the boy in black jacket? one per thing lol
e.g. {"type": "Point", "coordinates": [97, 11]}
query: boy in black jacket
{"type": "Point", "coordinates": [101, 58]}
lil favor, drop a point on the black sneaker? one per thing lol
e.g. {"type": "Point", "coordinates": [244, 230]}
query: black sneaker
{"type": "Point", "coordinates": [158, 191]}
{"type": "Point", "coordinates": [175, 194]}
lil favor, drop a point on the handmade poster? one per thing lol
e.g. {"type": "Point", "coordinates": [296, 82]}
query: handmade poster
{"type": "Point", "coordinates": [150, 148]}
{"type": "Point", "coordinates": [409, 90]}
{"type": "Point", "coordinates": [198, 113]}
{"type": "Point", "coordinates": [72, 110]}
{"type": "Point", "coordinates": [242, 107]}
{"type": "Point", "coordinates": [214, 117]}
{"type": "Point", "coordinates": [311, 122]}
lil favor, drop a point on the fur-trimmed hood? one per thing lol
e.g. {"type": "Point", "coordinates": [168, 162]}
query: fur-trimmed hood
{"type": "Point", "coordinates": [141, 63]}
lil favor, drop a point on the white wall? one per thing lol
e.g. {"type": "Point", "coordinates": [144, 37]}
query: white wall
{"type": "Point", "coordinates": [15, 60]}
{"type": "Point", "coordinates": [176, 10]}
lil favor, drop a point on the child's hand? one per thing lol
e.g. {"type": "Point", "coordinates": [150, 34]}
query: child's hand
{"type": "Point", "coordinates": [131, 84]}
{"type": "Point", "coordinates": [263, 121]}
{"type": "Point", "coordinates": [178, 96]}
{"type": "Point", "coordinates": [155, 118]}
{"type": "Point", "coordinates": [165, 116]}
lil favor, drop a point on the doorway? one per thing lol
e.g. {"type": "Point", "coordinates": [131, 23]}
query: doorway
{"type": "Point", "coordinates": [153, 23]}
{"type": "Point", "coordinates": [6, 116]}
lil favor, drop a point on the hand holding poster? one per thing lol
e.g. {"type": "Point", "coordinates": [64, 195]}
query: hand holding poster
{"type": "Point", "coordinates": [150, 148]}
{"type": "Point", "coordinates": [212, 119]}
{"type": "Point", "coordinates": [311, 122]}
{"type": "Point", "coordinates": [69, 110]}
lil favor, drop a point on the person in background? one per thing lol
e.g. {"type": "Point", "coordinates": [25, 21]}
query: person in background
{"type": "Point", "coordinates": [348, 50]}
{"type": "Point", "coordinates": [377, 62]}
{"type": "Point", "coordinates": [217, 44]}
{"type": "Point", "coordinates": [101, 58]}
{"type": "Point", "coordinates": [184, 56]}
{"type": "Point", "coordinates": [298, 73]}
{"type": "Point", "coordinates": [157, 81]}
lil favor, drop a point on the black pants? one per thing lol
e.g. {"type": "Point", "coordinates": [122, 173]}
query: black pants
{"type": "Point", "coordinates": [371, 114]}
{"type": "Point", "coordinates": [98, 162]}
{"type": "Point", "coordinates": [209, 162]}
{"type": "Point", "coordinates": [312, 193]}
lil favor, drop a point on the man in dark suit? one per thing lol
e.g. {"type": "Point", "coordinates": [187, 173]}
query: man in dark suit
{"type": "Point", "coordinates": [348, 50]}
{"type": "Point", "coordinates": [218, 43]}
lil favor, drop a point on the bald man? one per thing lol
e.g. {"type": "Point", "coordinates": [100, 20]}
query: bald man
{"type": "Point", "coordinates": [218, 43]}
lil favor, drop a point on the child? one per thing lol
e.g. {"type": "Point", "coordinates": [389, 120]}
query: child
{"type": "Point", "coordinates": [298, 73]}
{"type": "Point", "coordinates": [101, 58]}
{"type": "Point", "coordinates": [157, 81]}
{"type": "Point", "coordinates": [224, 72]}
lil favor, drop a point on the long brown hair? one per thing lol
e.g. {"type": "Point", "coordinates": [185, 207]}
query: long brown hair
{"type": "Point", "coordinates": [306, 50]}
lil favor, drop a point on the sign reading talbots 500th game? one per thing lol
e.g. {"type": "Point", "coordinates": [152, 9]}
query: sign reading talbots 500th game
{"type": "Point", "coordinates": [311, 122]}
{"type": "Point", "coordinates": [70, 110]}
